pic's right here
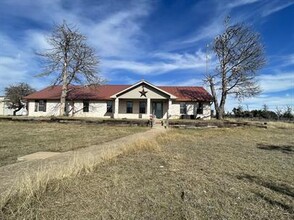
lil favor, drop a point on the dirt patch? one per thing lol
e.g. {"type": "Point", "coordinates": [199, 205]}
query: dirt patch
{"type": "Point", "coordinates": [37, 156]}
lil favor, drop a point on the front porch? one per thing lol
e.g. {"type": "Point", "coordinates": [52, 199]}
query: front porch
{"type": "Point", "coordinates": [141, 108]}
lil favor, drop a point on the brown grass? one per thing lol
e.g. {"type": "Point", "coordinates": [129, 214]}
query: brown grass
{"type": "Point", "coordinates": [189, 174]}
{"type": "Point", "coordinates": [21, 138]}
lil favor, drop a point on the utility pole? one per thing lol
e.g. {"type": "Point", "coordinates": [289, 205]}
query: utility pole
{"type": "Point", "coordinates": [206, 59]}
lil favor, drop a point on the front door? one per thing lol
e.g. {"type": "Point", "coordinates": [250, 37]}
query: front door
{"type": "Point", "coordinates": [157, 109]}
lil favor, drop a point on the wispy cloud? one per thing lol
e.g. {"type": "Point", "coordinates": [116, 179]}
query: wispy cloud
{"type": "Point", "coordinates": [215, 23]}
{"type": "Point", "coordinates": [207, 32]}
{"type": "Point", "coordinates": [277, 82]}
{"type": "Point", "coordinates": [168, 62]}
{"type": "Point", "coordinates": [114, 34]}
{"type": "Point", "coordinates": [238, 3]}
{"type": "Point", "coordinates": [118, 34]}
{"type": "Point", "coordinates": [187, 82]}
{"type": "Point", "coordinates": [275, 7]}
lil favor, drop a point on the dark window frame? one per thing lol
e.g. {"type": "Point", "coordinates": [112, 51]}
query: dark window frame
{"type": "Point", "coordinates": [109, 107]}
{"type": "Point", "coordinates": [142, 107]}
{"type": "Point", "coordinates": [200, 108]}
{"type": "Point", "coordinates": [86, 106]}
{"type": "Point", "coordinates": [129, 109]}
{"type": "Point", "coordinates": [183, 108]}
{"type": "Point", "coordinates": [41, 105]}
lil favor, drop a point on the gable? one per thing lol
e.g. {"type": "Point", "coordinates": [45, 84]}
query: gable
{"type": "Point", "coordinates": [155, 91]}
{"type": "Point", "coordinates": [136, 93]}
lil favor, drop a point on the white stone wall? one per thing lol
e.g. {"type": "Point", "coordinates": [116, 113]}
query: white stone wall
{"type": "Point", "coordinates": [96, 109]}
{"type": "Point", "coordinates": [174, 111]}
{"type": "Point", "coordinates": [206, 111]}
{"type": "Point", "coordinates": [4, 110]}
{"type": "Point", "coordinates": [2, 107]}
{"type": "Point", "coordinates": [52, 109]}
{"type": "Point", "coordinates": [99, 109]}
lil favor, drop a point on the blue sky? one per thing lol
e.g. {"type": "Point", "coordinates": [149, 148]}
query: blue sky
{"type": "Point", "coordinates": [159, 41]}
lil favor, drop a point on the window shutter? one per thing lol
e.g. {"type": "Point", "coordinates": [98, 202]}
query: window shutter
{"type": "Point", "coordinates": [36, 105]}
{"type": "Point", "coordinates": [45, 105]}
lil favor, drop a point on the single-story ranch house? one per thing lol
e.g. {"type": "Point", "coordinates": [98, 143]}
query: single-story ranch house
{"type": "Point", "coordinates": [124, 101]}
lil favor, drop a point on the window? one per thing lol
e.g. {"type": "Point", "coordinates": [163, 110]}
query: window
{"type": "Point", "coordinates": [40, 105]}
{"type": "Point", "coordinates": [85, 106]}
{"type": "Point", "coordinates": [183, 108]}
{"type": "Point", "coordinates": [109, 106]}
{"type": "Point", "coordinates": [142, 107]}
{"type": "Point", "coordinates": [200, 108]}
{"type": "Point", "coordinates": [129, 107]}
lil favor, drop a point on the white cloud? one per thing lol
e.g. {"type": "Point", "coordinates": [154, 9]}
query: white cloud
{"type": "Point", "coordinates": [238, 3]}
{"type": "Point", "coordinates": [287, 60]}
{"type": "Point", "coordinates": [271, 84]}
{"type": "Point", "coordinates": [189, 82]}
{"type": "Point", "coordinates": [36, 40]}
{"type": "Point", "coordinates": [273, 8]}
{"type": "Point", "coordinates": [206, 32]}
{"type": "Point", "coordinates": [277, 82]}
{"type": "Point", "coordinates": [117, 35]}
{"type": "Point", "coordinates": [113, 34]}
{"type": "Point", "coordinates": [168, 62]}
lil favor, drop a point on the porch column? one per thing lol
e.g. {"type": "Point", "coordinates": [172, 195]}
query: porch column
{"type": "Point", "coordinates": [148, 107]}
{"type": "Point", "coordinates": [168, 107]}
{"type": "Point", "coordinates": [116, 107]}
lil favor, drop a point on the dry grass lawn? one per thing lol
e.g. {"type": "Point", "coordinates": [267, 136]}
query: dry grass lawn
{"type": "Point", "coordinates": [21, 138]}
{"type": "Point", "coordinates": [233, 173]}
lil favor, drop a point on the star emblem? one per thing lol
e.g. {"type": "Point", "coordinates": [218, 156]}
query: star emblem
{"type": "Point", "coordinates": [143, 92]}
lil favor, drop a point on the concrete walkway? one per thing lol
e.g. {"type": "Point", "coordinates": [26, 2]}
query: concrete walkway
{"type": "Point", "coordinates": [11, 176]}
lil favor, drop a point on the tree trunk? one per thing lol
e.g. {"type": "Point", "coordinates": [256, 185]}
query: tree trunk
{"type": "Point", "coordinates": [64, 89]}
{"type": "Point", "coordinates": [221, 110]}
{"type": "Point", "coordinates": [16, 110]}
{"type": "Point", "coordinates": [20, 106]}
{"type": "Point", "coordinates": [63, 100]}
{"type": "Point", "coordinates": [214, 96]}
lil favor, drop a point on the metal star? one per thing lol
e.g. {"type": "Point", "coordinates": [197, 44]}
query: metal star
{"type": "Point", "coordinates": [143, 92]}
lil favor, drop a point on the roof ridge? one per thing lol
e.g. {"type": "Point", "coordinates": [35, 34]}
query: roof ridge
{"type": "Point", "coordinates": [182, 86]}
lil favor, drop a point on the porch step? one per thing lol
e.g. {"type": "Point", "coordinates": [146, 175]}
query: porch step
{"type": "Point", "coordinates": [157, 123]}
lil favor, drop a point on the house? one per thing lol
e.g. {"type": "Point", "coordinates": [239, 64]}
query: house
{"type": "Point", "coordinates": [139, 100]}
{"type": "Point", "coordinates": [5, 110]}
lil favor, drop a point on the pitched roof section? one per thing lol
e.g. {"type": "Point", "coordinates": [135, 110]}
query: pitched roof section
{"type": "Point", "coordinates": [143, 82]}
{"type": "Point", "coordinates": [188, 93]}
{"type": "Point", "coordinates": [104, 92]}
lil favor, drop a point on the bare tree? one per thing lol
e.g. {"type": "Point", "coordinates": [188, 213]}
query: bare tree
{"type": "Point", "coordinates": [240, 55]}
{"type": "Point", "coordinates": [14, 96]}
{"type": "Point", "coordinates": [288, 114]}
{"type": "Point", "coordinates": [70, 59]}
{"type": "Point", "coordinates": [279, 112]}
{"type": "Point", "coordinates": [265, 108]}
